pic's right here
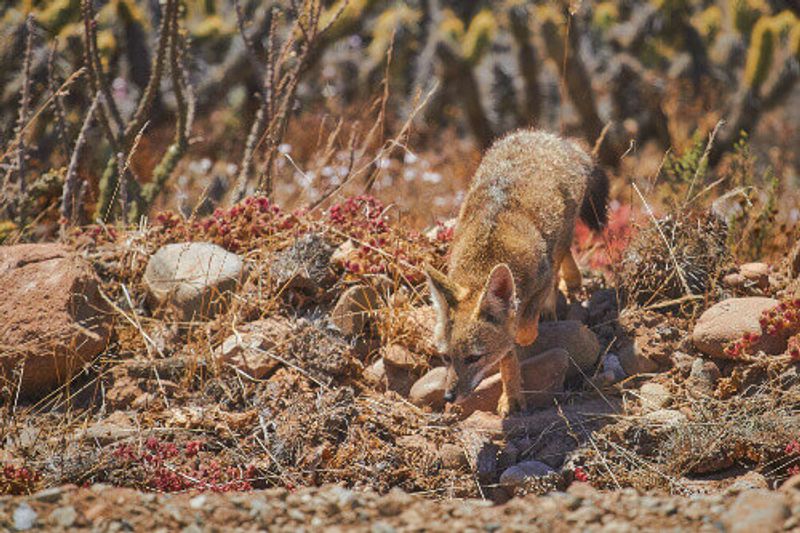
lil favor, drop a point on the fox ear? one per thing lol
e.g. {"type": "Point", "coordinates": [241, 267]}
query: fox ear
{"type": "Point", "coordinates": [444, 292]}
{"type": "Point", "coordinates": [445, 295]}
{"type": "Point", "coordinates": [499, 298]}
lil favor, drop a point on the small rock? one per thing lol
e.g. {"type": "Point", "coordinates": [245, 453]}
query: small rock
{"type": "Point", "coordinates": [453, 456]}
{"type": "Point", "coordinates": [756, 274]}
{"type": "Point", "coordinates": [486, 466]}
{"type": "Point", "coordinates": [24, 517]}
{"type": "Point", "coordinates": [485, 422]}
{"type": "Point", "coordinates": [51, 495]}
{"type": "Point", "coordinates": [343, 253]}
{"type": "Point", "coordinates": [578, 311]}
{"type": "Point", "coordinates": [53, 318]}
{"type": "Point", "coordinates": [400, 357]}
{"type": "Point", "coordinates": [250, 348]}
{"type": "Point", "coordinates": [633, 361]}
{"type": "Point", "coordinates": [665, 417]}
{"type": "Point", "coordinates": [756, 510]}
{"type": "Point", "coordinates": [734, 280]}
{"type": "Point", "coordinates": [355, 307]}
{"type": "Point", "coordinates": [577, 339]}
{"type": "Point", "coordinates": [703, 377]}
{"type": "Point", "coordinates": [198, 502]}
{"type": "Point", "coordinates": [612, 365]}
{"type": "Point", "coordinates": [682, 362]}
{"type": "Point", "coordinates": [518, 474]}
{"type": "Point", "coordinates": [428, 391]}
{"type": "Point", "coordinates": [400, 380]}
{"type": "Point", "coordinates": [749, 481]}
{"type": "Point", "coordinates": [304, 266]}
{"type": "Point", "coordinates": [729, 320]}
{"type": "Point", "coordinates": [654, 397]}
{"type": "Point", "coordinates": [375, 374]}
{"type": "Point", "coordinates": [64, 516]}
{"type": "Point", "coordinates": [196, 278]}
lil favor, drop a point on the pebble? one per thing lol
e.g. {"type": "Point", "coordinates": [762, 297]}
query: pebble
{"type": "Point", "coordinates": [24, 517]}
{"type": "Point", "coordinates": [64, 516]}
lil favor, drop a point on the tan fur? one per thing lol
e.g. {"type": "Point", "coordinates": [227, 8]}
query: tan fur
{"type": "Point", "coordinates": [518, 216]}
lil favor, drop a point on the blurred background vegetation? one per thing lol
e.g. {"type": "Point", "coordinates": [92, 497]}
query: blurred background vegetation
{"type": "Point", "coordinates": [111, 107]}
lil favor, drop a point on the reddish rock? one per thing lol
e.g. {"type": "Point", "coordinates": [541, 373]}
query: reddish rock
{"type": "Point", "coordinates": [52, 317]}
{"type": "Point", "coordinates": [729, 320]}
{"type": "Point", "coordinates": [252, 348]}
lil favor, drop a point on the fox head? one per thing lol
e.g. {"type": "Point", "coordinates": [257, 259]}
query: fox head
{"type": "Point", "coordinates": [474, 329]}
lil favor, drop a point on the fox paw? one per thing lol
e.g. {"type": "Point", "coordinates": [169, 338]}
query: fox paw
{"type": "Point", "coordinates": [508, 405]}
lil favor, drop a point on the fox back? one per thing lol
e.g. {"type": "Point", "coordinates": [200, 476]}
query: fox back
{"type": "Point", "coordinates": [514, 229]}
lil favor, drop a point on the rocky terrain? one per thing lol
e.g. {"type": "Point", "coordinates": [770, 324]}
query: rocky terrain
{"type": "Point", "coordinates": [249, 376]}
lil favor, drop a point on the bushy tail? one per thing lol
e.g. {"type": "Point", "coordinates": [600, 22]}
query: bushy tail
{"type": "Point", "coordinates": [594, 210]}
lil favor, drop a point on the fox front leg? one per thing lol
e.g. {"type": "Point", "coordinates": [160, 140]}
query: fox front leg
{"type": "Point", "coordinates": [511, 400]}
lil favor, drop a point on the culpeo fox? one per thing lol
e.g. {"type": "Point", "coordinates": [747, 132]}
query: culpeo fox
{"type": "Point", "coordinates": [512, 236]}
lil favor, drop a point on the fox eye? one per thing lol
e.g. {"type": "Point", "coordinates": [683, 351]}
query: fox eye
{"type": "Point", "coordinates": [473, 358]}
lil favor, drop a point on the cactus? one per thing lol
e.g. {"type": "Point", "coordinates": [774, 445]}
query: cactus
{"type": "Point", "coordinates": [388, 22]}
{"type": "Point", "coordinates": [760, 54]}
{"type": "Point", "coordinates": [746, 13]}
{"type": "Point", "coordinates": [478, 36]}
{"type": "Point", "coordinates": [708, 22]}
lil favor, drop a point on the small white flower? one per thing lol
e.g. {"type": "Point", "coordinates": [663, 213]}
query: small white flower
{"type": "Point", "coordinates": [409, 174]}
{"type": "Point", "coordinates": [285, 148]}
{"type": "Point", "coordinates": [410, 158]}
{"type": "Point", "coordinates": [431, 177]}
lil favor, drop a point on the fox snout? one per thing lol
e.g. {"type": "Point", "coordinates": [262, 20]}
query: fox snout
{"type": "Point", "coordinates": [462, 378]}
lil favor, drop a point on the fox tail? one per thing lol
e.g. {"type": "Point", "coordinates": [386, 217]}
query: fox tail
{"type": "Point", "coordinates": [594, 209]}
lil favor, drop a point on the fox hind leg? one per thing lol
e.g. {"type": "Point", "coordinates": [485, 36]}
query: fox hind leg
{"type": "Point", "coordinates": [512, 399]}
{"type": "Point", "coordinates": [570, 273]}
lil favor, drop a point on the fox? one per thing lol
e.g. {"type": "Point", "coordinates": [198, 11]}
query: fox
{"type": "Point", "coordinates": [511, 244]}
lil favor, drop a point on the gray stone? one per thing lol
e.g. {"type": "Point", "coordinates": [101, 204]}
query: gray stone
{"type": "Point", "coordinates": [518, 474]}
{"type": "Point", "coordinates": [194, 277]}
{"type": "Point", "coordinates": [24, 517]}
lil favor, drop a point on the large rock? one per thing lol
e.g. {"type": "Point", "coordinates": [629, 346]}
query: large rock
{"type": "Point", "coordinates": [729, 320]}
{"type": "Point", "coordinates": [52, 317]}
{"type": "Point", "coordinates": [542, 378]}
{"type": "Point", "coordinates": [252, 348]}
{"type": "Point", "coordinates": [428, 391]}
{"type": "Point", "coordinates": [194, 277]}
{"type": "Point", "coordinates": [757, 510]}
{"type": "Point", "coordinates": [577, 339]}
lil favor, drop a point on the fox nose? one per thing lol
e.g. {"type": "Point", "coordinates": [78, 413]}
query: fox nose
{"type": "Point", "coordinates": [449, 395]}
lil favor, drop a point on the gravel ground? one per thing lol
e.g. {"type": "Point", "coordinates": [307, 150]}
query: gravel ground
{"type": "Point", "coordinates": [333, 508]}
